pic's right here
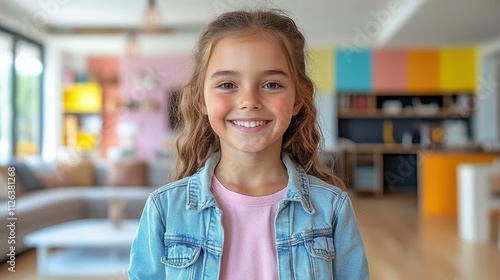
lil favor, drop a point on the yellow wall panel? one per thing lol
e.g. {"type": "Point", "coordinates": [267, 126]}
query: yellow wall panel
{"type": "Point", "coordinates": [321, 69]}
{"type": "Point", "coordinates": [458, 69]}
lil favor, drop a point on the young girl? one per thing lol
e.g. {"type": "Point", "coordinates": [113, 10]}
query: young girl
{"type": "Point", "coordinates": [250, 199]}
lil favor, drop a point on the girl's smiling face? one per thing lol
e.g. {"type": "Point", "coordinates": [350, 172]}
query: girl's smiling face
{"type": "Point", "coordinates": [249, 94]}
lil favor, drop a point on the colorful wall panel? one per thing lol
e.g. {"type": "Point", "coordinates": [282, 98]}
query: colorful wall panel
{"type": "Point", "coordinates": [458, 69]}
{"type": "Point", "coordinates": [321, 69]}
{"type": "Point", "coordinates": [423, 71]}
{"type": "Point", "coordinates": [390, 71]}
{"type": "Point", "coordinates": [354, 70]}
{"type": "Point", "coordinates": [393, 71]}
{"type": "Point", "coordinates": [105, 70]}
{"type": "Point", "coordinates": [170, 73]}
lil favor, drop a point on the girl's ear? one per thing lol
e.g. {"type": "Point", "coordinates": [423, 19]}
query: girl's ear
{"type": "Point", "coordinates": [296, 107]}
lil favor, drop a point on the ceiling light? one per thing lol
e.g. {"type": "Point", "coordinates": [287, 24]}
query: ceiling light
{"type": "Point", "coordinates": [152, 16]}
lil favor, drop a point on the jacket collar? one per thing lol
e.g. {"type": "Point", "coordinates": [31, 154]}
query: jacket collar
{"type": "Point", "coordinates": [199, 196]}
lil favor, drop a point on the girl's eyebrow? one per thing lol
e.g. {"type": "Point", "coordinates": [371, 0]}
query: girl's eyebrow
{"type": "Point", "coordinates": [237, 74]}
{"type": "Point", "coordinates": [274, 72]}
{"type": "Point", "coordinates": [225, 73]}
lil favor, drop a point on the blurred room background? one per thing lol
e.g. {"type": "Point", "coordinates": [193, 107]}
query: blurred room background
{"type": "Point", "coordinates": [409, 106]}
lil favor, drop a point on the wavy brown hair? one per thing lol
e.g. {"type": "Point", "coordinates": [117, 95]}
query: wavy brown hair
{"type": "Point", "coordinates": [301, 141]}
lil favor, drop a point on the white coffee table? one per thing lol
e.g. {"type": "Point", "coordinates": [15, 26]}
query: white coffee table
{"type": "Point", "coordinates": [87, 247]}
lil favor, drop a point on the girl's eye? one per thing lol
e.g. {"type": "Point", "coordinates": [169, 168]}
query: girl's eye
{"type": "Point", "coordinates": [272, 85]}
{"type": "Point", "coordinates": [226, 86]}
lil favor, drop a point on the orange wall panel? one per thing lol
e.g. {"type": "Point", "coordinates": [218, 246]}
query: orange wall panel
{"type": "Point", "coordinates": [423, 71]}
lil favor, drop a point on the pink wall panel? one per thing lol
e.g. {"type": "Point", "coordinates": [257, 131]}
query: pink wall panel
{"type": "Point", "coordinates": [390, 74]}
{"type": "Point", "coordinates": [171, 72]}
{"type": "Point", "coordinates": [105, 70]}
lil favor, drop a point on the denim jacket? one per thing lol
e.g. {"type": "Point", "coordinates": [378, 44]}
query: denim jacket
{"type": "Point", "coordinates": [180, 235]}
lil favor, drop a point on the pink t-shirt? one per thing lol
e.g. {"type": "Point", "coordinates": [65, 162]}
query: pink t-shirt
{"type": "Point", "coordinates": [249, 242]}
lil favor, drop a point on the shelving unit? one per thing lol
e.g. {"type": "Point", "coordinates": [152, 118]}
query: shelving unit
{"type": "Point", "coordinates": [382, 160]}
{"type": "Point", "coordinates": [82, 116]}
{"type": "Point", "coordinates": [372, 106]}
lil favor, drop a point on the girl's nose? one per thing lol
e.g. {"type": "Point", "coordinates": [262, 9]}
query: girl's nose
{"type": "Point", "coordinates": [249, 99]}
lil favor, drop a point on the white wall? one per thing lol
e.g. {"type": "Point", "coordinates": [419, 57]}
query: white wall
{"type": "Point", "coordinates": [52, 103]}
{"type": "Point", "coordinates": [486, 119]}
{"type": "Point", "coordinates": [327, 117]}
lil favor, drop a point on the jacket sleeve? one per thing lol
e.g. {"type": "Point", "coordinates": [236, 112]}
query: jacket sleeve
{"type": "Point", "coordinates": [350, 260]}
{"type": "Point", "coordinates": [148, 247]}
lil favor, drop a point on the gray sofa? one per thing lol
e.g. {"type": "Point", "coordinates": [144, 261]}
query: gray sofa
{"type": "Point", "coordinates": [50, 206]}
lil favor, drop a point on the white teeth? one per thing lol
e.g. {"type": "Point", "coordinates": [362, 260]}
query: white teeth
{"type": "Point", "coordinates": [249, 124]}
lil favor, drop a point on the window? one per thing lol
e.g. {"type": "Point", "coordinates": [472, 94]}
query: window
{"type": "Point", "coordinates": [21, 70]}
{"type": "Point", "coordinates": [6, 60]}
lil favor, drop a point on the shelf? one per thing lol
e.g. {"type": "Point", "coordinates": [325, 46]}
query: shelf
{"type": "Point", "coordinates": [384, 149]}
{"type": "Point", "coordinates": [368, 148]}
{"type": "Point", "coordinates": [362, 114]}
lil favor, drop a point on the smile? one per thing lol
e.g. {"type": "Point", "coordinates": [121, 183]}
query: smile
{"type": "Point", "coordinates": [249, 124]}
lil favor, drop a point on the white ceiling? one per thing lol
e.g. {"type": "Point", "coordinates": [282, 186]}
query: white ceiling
{"type": "Point", "coordinates": [335, 22]}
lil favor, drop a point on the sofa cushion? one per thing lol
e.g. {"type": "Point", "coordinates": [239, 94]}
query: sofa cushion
{"type": "Point", "coordinates": [101, 172]}
{"type": "Point", "coordinates": [128, 172]}
{"type": "Point", "coordinates": [77, 174]}
{"type": "Point", "coordinates": [4, 183]}
{"type": "Point", "coordinates": [3, 187]}
{"type": "Point", "coordinates": [28, 179]}
{"type": "Point", "coordinates": [4, 175]}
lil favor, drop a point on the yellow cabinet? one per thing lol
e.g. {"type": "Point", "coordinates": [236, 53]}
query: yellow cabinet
{"type": "Point", "coordinates": [438, 179]}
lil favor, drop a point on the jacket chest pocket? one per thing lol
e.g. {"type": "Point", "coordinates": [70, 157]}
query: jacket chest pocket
{"type": "Point", "coordinates": [321, 254]}
{"type": "Point", "coordinates": [312, 258]}
{"type": "Point", "coordinates": [321, 247]}
{"type": "Point", "coordinates": [180, 259]}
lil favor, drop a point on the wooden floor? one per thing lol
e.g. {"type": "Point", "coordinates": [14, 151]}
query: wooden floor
{"type": "Point", "coordinates": [399, 245]}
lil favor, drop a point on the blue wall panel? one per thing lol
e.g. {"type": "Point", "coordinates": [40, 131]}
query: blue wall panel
{"type": "Point", "coordinates": [354, 71]}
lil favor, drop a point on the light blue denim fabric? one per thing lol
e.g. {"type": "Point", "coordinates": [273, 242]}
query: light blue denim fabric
{"type": "Point", "coordinates": [180, 234]}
